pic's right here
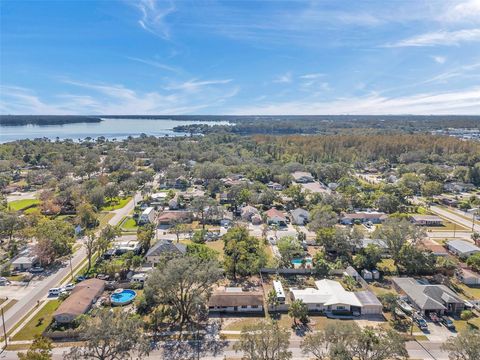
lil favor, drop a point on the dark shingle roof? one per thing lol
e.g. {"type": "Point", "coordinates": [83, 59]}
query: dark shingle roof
{"type": "Point", "coordinates": [166, 246]}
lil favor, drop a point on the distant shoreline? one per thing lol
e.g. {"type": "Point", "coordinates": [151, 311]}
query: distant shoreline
{"type": "Point", "coordinates": [45, 120]}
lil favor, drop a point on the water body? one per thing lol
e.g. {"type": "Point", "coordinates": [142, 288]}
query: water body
{"type": "Point", "coordinates": [109, 128]}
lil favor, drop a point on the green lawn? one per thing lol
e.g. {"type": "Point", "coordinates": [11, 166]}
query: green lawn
{"type": "Point", "coordinates": [116, 204]}
{"type": "Point", "coordinates": [128, 224]}
{"type": "Point", "coordinates": [38, 323]}
{"type": "Point", "coordinates": [18, 205]}
{"type": "Point", "coordinates": [104, 218]}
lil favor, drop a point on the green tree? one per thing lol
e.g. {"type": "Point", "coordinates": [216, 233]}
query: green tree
{"type": "Point", "coordinates": [298, 310]}
{"type": "Point", "coordinates": [55, 239]}
{"type": "Point", "coordinates": [322, 216]}
{"type": "Point", "coordinates": [145, 235]}
{"type": "Point", "coordinates": [110, 335]}
{"type": "Point", "coordinates": [243, 254]}
{"type": "Point", "coordinates": [185, 283]}
{"type": "Point", "coordinates": [369, 257]}
{"type": "Point", "coordinates": [264, 341]}
{"type": "Point", "coordinates": [474, 261]}
{"type": "Point", "coordinates": [41, 349]}
{"type": "Point", "coordinates": [289, 248]}
{"type": "Point", "coordinates": [465, 346]}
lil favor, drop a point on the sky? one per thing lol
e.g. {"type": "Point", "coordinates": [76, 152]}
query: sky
{"type": "Point", "coordinates": [240, 57]}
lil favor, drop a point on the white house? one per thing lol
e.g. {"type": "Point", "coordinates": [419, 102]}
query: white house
{"type": "Point", "coordinates": [148, 216]}
{"type": "Point", "coordinates": [302, 177]}
{"type": "Point", "coordinates": [468, 277]}
{"type": "Point", "coordinates": [330, 296]}
{"type": "Point", "coordinates": [461, 248]}
{"type": "Point", "coordinates": [300, 216]}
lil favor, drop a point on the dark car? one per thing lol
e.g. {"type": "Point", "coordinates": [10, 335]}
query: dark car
{"type": "Point", "coordinates": [448, 323]}
{"type": "Point", "coordinates": [80, 278]}
{"type": "Point", "coordinates": [434, 317]}
{"type": "Point", "coordinates": [37, 270]}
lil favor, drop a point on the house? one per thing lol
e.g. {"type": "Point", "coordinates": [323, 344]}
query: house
{"type": "Point", "coordinates": [173, 203]}
{"type": "Point", "coordinates": [330, 297]}
{"type": "Point", "coordinates": [350, 271]}
{"type": "Point", "coordinates": [139, 278]}
{"type": "Point", "coordinates": [426, 220]}
{"type": "Point", "coordinates": [164, 247]}
{"type": "Point", "coordinates": [226, 198]}
{"type": "Point", "coordinates": [436, 249]}
{"type": "Point", "coordinates": [300, 216]}
{"type": "Point", "coordinates": [275, 186]}
{"type": "Point", "coordinates": [302, 177]}
{"type": "Point", "coordinates": [234, 299]}
{"type": "Point", "coordinates": [276, 217]}
{"type": "Point", "coordinates": [80, 300]}
{"type": "Point", "coordinates": [169, 218]}
{"type": "Point", "coordinates": [363, 243]}
{"type": "Point", "coordinates": [158, 198]}
{"type": "Point", "coordinates": [461, 248]}
{"type": "Point", "coordinates": [181, 183]}
{"type": "Point", "coordinates": [226, 218]}
{"type": "Point", "coordinates": [256, 219]}
{"type": "Point", "coordinates": [147, 216]}
{"type": "Point", "coordinates": [374, 217]}
{"type": "Point", "coordinates": [247, 212]}
{"type": "Point", "coordinates": [429, 298]}
{"type": "Point", "coordinates": [23, 263]}
{"type": "Point", "coordinates": [458, 187]}
{"type": "Point", "coordinates": [468, 277]}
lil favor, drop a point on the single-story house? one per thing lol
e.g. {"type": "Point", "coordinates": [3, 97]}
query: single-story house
{"type": "Point", "coordinates": [302, 177]}
{"type": "Point", "coordinates": [80, 300]}
{"type": "Point", "coordinates": [363, 243]}
{"type": "Point", "coordinates": [256, 219]}
{"type": "Point", "coordinates": [468, 277]}
{"type": "Point", "coordinates": [429, 298]}
{"type": "Point", "coordinates": [375, 217]}
{"type": "Point", "coordinates": [234, 299]}
{"type": "Point", "coordinates": [173, 203]}
{"type": "Point", "coordinates": [247, 212]}
{"type": "Point", "coordinates": [461, 248]}
{"type": "Point", "coordinates": [436, 249]}
{"type": "Point", "coordinates": [164, 247]}
{"type": "Point", "coordinates": [426, 220]}
{"type": "Point", "coordinates": [147, 216]}
{"type": "Point", "coordinates": [275, 186]}
{"type": "Point", "coordinates": [23, 263]}
{"type": "Point", "coordinates": [276, 217]}
{"type": "Point", "coordinates": [330, 296]}
{"type": "Point", "coordinates": [169, 218]}
{"type": "Point", "coordinates": [300, 216]}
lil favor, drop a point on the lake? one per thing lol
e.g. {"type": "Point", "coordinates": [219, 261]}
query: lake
{"type": "Point", "coordinates": [109, 128]}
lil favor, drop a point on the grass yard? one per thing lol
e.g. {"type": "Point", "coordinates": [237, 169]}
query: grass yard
{"type": "Point", "coordinates": [116, 203]}
{"type": "Point", "coordinates": [447, 226]}
{"type": "Point", "coordinates": [217, 246]}
{"type": "Point", "coordinates": [18, 205]}
{"type": "Point", "coordinates": [104, 218]}
{"type": "Point", "coordinates": [38, 323]}
{"type": "Point", "coordinates": [128, 224]}
{"type": "Point", "coordinates": [464, 325]}
{"type": "Point", "coordinates": [470, 292]}
{"type": "Point", "coordinates": [387, 265]}
{"type": "Point", "coordinates": [239, 324]}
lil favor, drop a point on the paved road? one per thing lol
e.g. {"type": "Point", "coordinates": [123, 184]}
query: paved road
{"type": "Point", "coordinates": [454, 217]}
{"type": "Point", "coordinates": [417, 350]}
{"type": "Point", "coordinates": [40, 290]}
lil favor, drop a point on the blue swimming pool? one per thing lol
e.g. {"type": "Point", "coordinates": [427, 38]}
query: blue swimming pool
{"type": "Point", "coordinates": [298, 262]}
{"type": "Point", "coordinates": [122, 297]}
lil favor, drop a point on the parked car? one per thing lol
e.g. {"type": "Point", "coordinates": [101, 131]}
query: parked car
{"type": "Point", "coordinates": [434, 317]}
{"type": "Point", "coordinates": [422, 324]}
{"type": "Point", "coordinates": [69, 287]}
{"type": "Point", "coordinates": [80, 278]}
{"type": "Point", "coordinates": [54, 291]}
{"type": "Point", "coordinates": [448, 323]}
{"type": "Point", "coordinates": [37, 270]}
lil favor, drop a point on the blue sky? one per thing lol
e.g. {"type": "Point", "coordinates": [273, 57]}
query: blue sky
{"type": "Point", "coordinates": [240, 57]}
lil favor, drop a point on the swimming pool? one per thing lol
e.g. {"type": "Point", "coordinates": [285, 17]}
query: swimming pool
{"type": "Point", "coordinates": [122, 297]}
{"type": "Point", "coordinates": [298, 262]}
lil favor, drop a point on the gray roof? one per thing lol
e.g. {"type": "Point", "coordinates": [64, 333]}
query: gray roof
{"type": "Point", "coordinates": [367, 298]}
{"type": "Point", "coordinates": [166, 246]}
{"type": "Point", "coordinates": [463, 246]}
{"type": "Point", "coordinates": [427, 297]}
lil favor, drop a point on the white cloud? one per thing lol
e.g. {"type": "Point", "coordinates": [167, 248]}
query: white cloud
{"type": "Point", "coordinates": [462, 11]}
{"type": "Point", "coordinates": [153, 14]}
{"type": "Point", "coordinates": [439, 38]}
{"type": "Point", "coordinates": [284, 78]}
{"type": "Point", "coordinates": [454, 102]}
{"type": "Point", "coordinates": [103, 99]}
{"type": "Point", "coordinates": [196, 85]}
{"type": "Point", "coordinates": [312, 76]}
{"type": "Point", "coordinates": [156, 64]}
{"type": "Point", "coordinates": [439, 59]}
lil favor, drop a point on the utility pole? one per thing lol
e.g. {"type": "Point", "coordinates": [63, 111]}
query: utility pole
{"type": "Point", "coordinates": [71, 269]}
{"type": "Point", "coordinates": [454, 229]}
{"type": "Point", "coordinates": [4, 330]}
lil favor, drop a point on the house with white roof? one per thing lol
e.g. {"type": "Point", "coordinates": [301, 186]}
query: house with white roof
{"type": "Point", "coordinates": [462, 249]}
{"type": "Point", "coordinates": [331, 297]}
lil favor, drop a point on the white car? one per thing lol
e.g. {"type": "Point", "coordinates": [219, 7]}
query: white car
{"type": "Point", "coordinates": [54, 291]}
{"type": "Point", "coordinates": [69, 287]}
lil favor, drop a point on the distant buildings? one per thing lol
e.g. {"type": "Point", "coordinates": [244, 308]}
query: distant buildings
{"type": "Point", "coordinates": [374, 217]}
{"type": "Point", "coordinates": [276, 217]}
{"type": "Point", "coordinates": [426, 220]}
{"type": "Point", "coordinates": [300, 216]}
{"type": "Point", "coordinates": [302, 177]}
